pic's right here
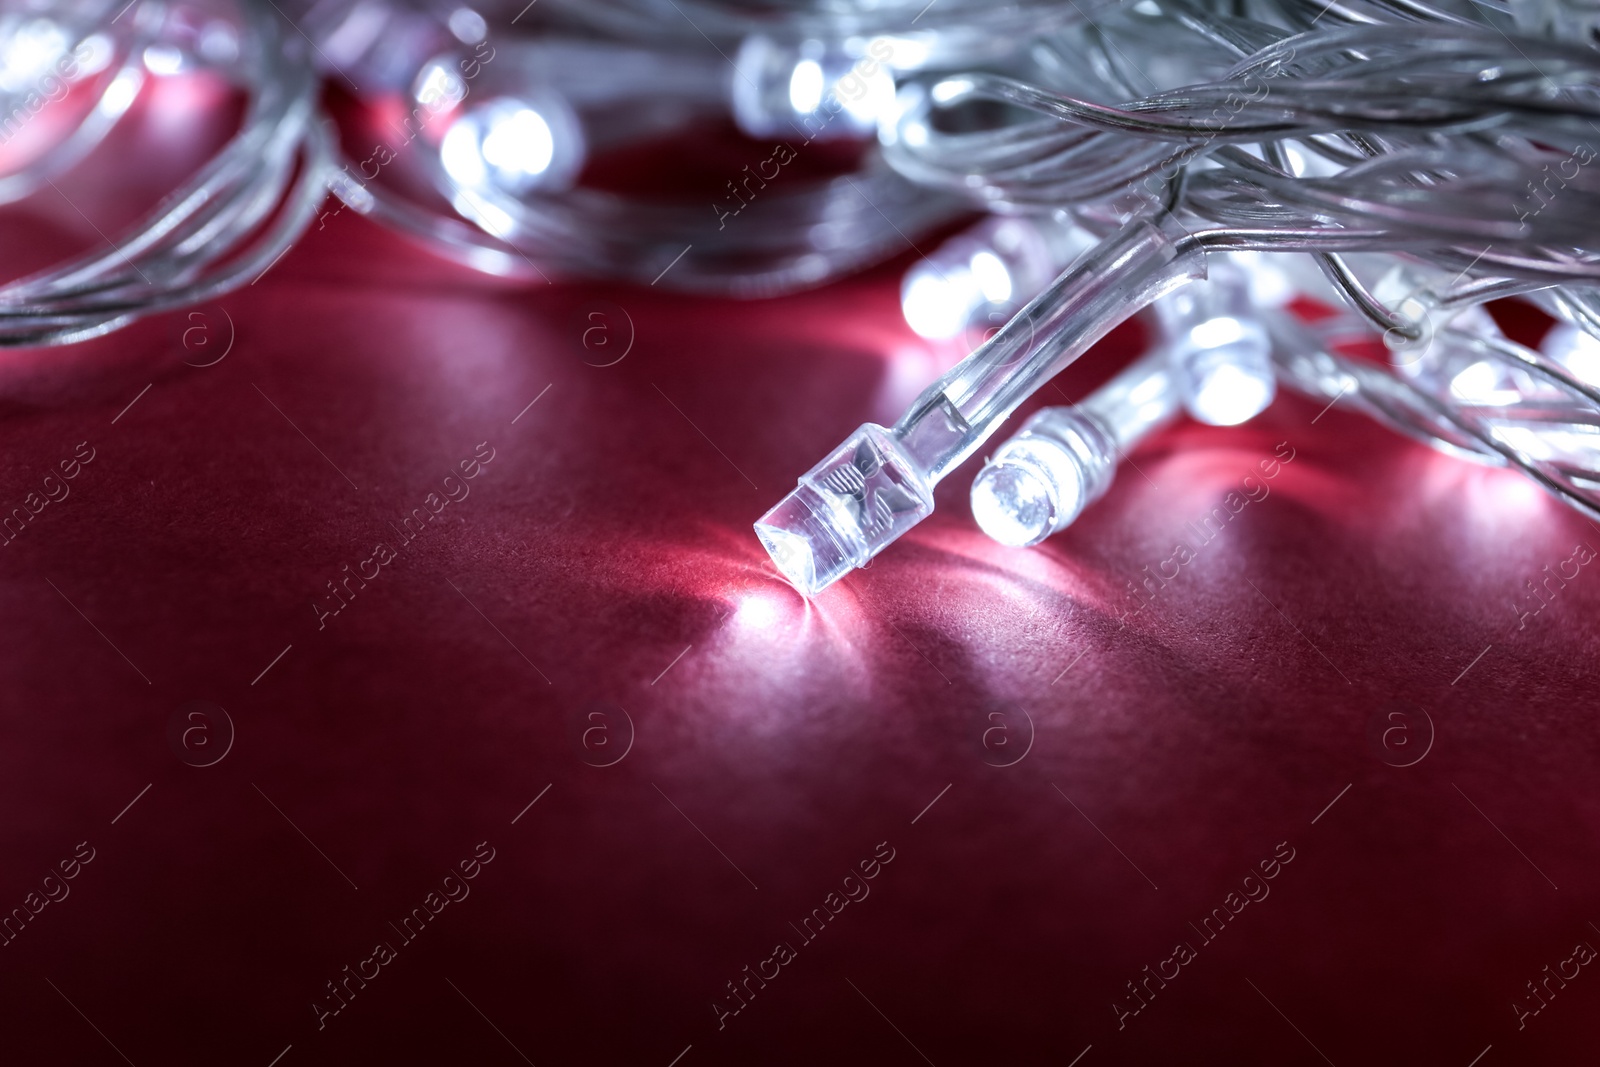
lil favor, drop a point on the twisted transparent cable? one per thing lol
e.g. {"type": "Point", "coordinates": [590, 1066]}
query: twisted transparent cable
{"type": "Point", "coordinates": [222, 227]}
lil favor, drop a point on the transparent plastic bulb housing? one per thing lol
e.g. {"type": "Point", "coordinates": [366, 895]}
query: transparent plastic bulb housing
{"type": "Point", "coordinates": [846, 509]}
{"type": "Point", "coordinates": [1475, 371]}
{"type": "Point", "coordinates": [999, 262]}
{"type": "Point", "coordinates": [515, 145]}
{"type": "Point", "coordinates": [1064, 458]}
{"type": "Point", "coordinates": [1445, 366]}
{"type": "Point", "coordinates": [1220, 350]}
{"type": "Point", "coordinates": [1041, 480]}
{"type": "Point", "coordinates": [812, 90]}
{"type": "Point", "coordinates": [1575, 349]}
{"type": "Point", "coordinates": [29, 49]}
{"type": "Point", "coordinates": [877, 485]}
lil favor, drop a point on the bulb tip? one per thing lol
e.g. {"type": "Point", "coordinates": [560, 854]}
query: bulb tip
{"type": "Point", "coordinates": [792, 555]}
{"type": "Point", "coordinates": [935, 304]}
{"type": "Point", "coordinates": [1013, 503]}
{"type": "Point", "coordinates": [800, 536]}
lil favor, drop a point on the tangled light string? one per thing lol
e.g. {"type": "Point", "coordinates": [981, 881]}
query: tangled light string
{"type": "Point", "coordinates": [794, 74]}
{"type": "Point", "coordinates": [223, 226]}
{"type": "Point", "coordinates": [1409, 160]}
{"type": "Point", "coordinates": [1438, 145]}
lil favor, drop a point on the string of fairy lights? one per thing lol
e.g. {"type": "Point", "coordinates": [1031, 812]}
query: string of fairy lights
{"type": "Point", "coordinates": [1201, 162]}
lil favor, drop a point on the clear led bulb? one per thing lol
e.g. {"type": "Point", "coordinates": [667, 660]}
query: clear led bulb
{"type": "Point", "coordinates": [525, 115]}
{"type": "Point", "coordinates": [811, 90]}
{"type": "Point", "coordinates": [857, 500]}
{"type": "Point", "coordinates": [515, 145]}
{"type": "Point", "coordinates": [1470, 378]}
{"type": "Point", "coordinates": [1575, 349]}
{"type": "Point", "coordinates": [1220, 351]}
{"type": "Point", "coordinates": [1445, 363]}
{"type": "Point", "coordinates": [1472, 369]}
{"type": "Point", "coordinates": [878, 484]}
{"type": "Point", "coordinates": [1064, 458]}
{"type": "Point", "coordinates": [1000, 262]}
{"type": "Point", "coordinates": [1411, 292]}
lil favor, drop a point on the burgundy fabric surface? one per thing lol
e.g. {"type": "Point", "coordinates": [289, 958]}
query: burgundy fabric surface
{"type": "Point", "coordinates": [1052, 789]}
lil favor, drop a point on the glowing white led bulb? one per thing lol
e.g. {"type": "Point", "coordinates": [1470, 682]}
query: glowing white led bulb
{"type": "Point", "coordinates": [878, 484]}
{"type": "Point", "coordinates": [1064, 458]}
{"type": "Point", "coordinates": [1441, 362]}
{"type": "Point", "coordinates": [163, 60]}
{"type": "Point", "coordinates": [515, 145]}
{"type": "Point", "coordinates": [1001, 262]}
{"type": "Point", "coordinates": [29, 49]}
{"type": "Point", "coordinates": [1575, 349]}
{"type": "Point", "coordinates": [812, 90]}
{"type": "Point", "coordinates": [861, 497]}
{"type": "Point", "coordinates": [1220, 351]}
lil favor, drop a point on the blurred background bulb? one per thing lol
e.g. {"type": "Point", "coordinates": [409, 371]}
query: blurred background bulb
{"type": "Point", "coordinates": [515, 146]}
{"type": "Point", "coordinates": [1487, 383]}
{"type": "Point", "coordinates": [39, 54]}
{"type": "Point", "coordinates": [1444, 361]}
{"type": "Point", "coordinates": [811, 90]}
{"type": "Point", "coordinates": [29, 49]}
{"type": "Point", "coordinates": [525, 117]}
{"type": "Point", "coordinates": [163, 60]}
{"type": "Point", "coordinates": [1001, 263]}
{"type": "Point", "coordinates": [1575, 349]}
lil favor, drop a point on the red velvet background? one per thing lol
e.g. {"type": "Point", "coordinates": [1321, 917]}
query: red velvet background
{"type": "Point", "coordinates": [604, 560]}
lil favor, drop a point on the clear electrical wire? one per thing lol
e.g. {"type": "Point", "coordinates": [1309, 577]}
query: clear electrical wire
{"type": "Point", "coordinates": [946, 34]}
{"type": "Point", "coordinates": [879, 483]}
{"type": "Point", "coordinates": [222, 227]}
{"type": "Point", "coordinates": [1449, 152]}
{"type": "Point", "coordinates": [793, 73]}
{"type": "Point", "coordinates": [516, 128]}
{"type": "Point", "coordinates": [1410, 159]}
{"type": "Point", "coordinates": [1505, 405]}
